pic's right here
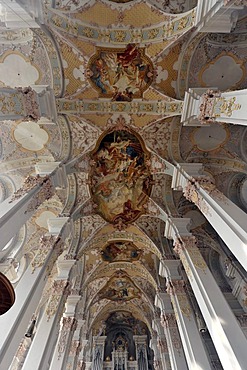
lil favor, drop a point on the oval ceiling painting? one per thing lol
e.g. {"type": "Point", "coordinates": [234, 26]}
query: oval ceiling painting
{"type": "Point", "coordinates": [120, 251]}
{"type": "Point", "coordinates": [121, 179]}
{"type": "Point", "coordinates": [120, 74]}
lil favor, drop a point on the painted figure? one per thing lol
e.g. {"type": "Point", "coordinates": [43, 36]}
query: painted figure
{"type": "Point", "coordinates": [121, 74]}
{"type": "Point", "coordinates": [120, 177]}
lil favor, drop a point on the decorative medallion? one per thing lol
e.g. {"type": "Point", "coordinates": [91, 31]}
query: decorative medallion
{"type": "Point", "coordinates": [120, 251]}
{"type": "Point", "coordinates": [120, 74]}
{"type": "Point", "coordinates": [120, 288]}
{"type": "Point", "coordinates": [120, 179]}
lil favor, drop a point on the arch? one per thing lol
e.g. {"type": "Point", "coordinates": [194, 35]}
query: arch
{"type": "Point", "coordinates": [7, 294]}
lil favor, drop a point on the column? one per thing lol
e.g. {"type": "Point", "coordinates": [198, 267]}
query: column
{"type": "Point", "coordinates": [160, 347]}
{"type": "Point", "coordinates": [169, 323]}
{"type": "Point", "coordinates": [21, 353]}
{"type": "Point", "coordinates": [81, 359]}
{"type": "Point", "coordinates": [98, 352]}
{"type": "Point", "coordinates": [228, 220]}
{"type": "Point", "coordinates": [76, 345]}
{"type": "Point", "coordinates": [14, 16]}
{"type": "Point", "coordinates": [33, 8]}
{"type": "Point", "coordinates": [46, 334]}
{"type": "Point", "coordinates": [17, 209]}
{"type": "Point", "coordinates": [66, 344]}
{"type": "Point", "coordinates": [227, 336]}
{"type": "Point", "coordinates": [141, 351]}
{"type": "Point", "coordinates": [217, 15]}
{"type": "Point", "coordinates": [192, 342]}
{"type": "Point", "coordinates": [208, 106]}
{"type": "Point", "coordinates": [28, 293]}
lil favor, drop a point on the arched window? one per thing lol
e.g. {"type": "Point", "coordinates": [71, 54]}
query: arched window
{"type": "Point", "coordinates": [7, 294]}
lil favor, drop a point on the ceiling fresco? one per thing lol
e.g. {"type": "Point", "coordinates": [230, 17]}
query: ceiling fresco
{"type": "Point", "coordinates": [120, 288]}
{"type": "Point", "coordinates": [120, 251]}
{"type": "Point", "coordinates": [120, 74]}
{"type": "Point", "coordinates": [121, 178]}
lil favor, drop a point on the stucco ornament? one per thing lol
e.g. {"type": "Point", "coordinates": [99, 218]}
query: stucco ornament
{"type": "Point", "coordinates": [68, 325]}
{"type": "Point", "coordinates": [45, 192]}
{"type": "Point", "coordinates": [46, 244]}
{"type": "Point", "coordinates": [30, 103]}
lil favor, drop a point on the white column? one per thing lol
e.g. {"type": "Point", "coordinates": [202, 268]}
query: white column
{"type": "Point", "coordinates": [28, 292]}
{"type": "Point", "coordinates": [207, 106]}
{"type": "Point", "coordinates": [192, 342]}
{"type": "Point", "coordinates": [98, 352]}
{"type": "Point", "coordinates": [75, 346]}
{"type": "Point", "coordinates": [228, 220]}
{"type": "Point", "coordinates": [216, 15]}
{"type": "Point", "coordinates": [141, 351]}
{"type": "Point", "coordinates": [14, 16]}
{"type": "Point", "coordinates": [65, 342]}
{"type": "Point", "coordinates": [34, 8]}
{"type": "Point", "coordinates": [227, 336]}
{"type": "Point", "coordinates": [169, 323]}
{"type": "Point", "coordinates": [191, 107]}
{"type": "Point", "coordinates": [194, 349]}
{"type": "Point", "coordinates": [160, 346]}
{"type": "Point", "coordinates": [47, 327]}
{"type": "Point", "coordinates": [17, 209]}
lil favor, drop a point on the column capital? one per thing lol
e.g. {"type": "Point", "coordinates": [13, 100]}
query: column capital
{"type": "Point", "coordinates": [162, 300]}
{"type": "Point", "coordinates": [169, 268]}
{"type": "Point", "coordinates": [64, 267]}
{"type": "Point", "coordinates": [45, 168]}
{"type": "Point", "coordinates": [177, 226]}
{"type": "Point", "coordinates": [206, 108]}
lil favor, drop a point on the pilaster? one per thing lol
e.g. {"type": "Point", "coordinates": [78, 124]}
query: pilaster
{"type": "Point", "coordinates": [228, 338]}
{"type": "Point", "coordinates": [192, 342]}
{"type": "Point", "coordinates": [48, 325]}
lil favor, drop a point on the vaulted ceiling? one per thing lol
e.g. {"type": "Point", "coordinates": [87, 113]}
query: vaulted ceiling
{"type": "Point", "coordinates": [119, 70]}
